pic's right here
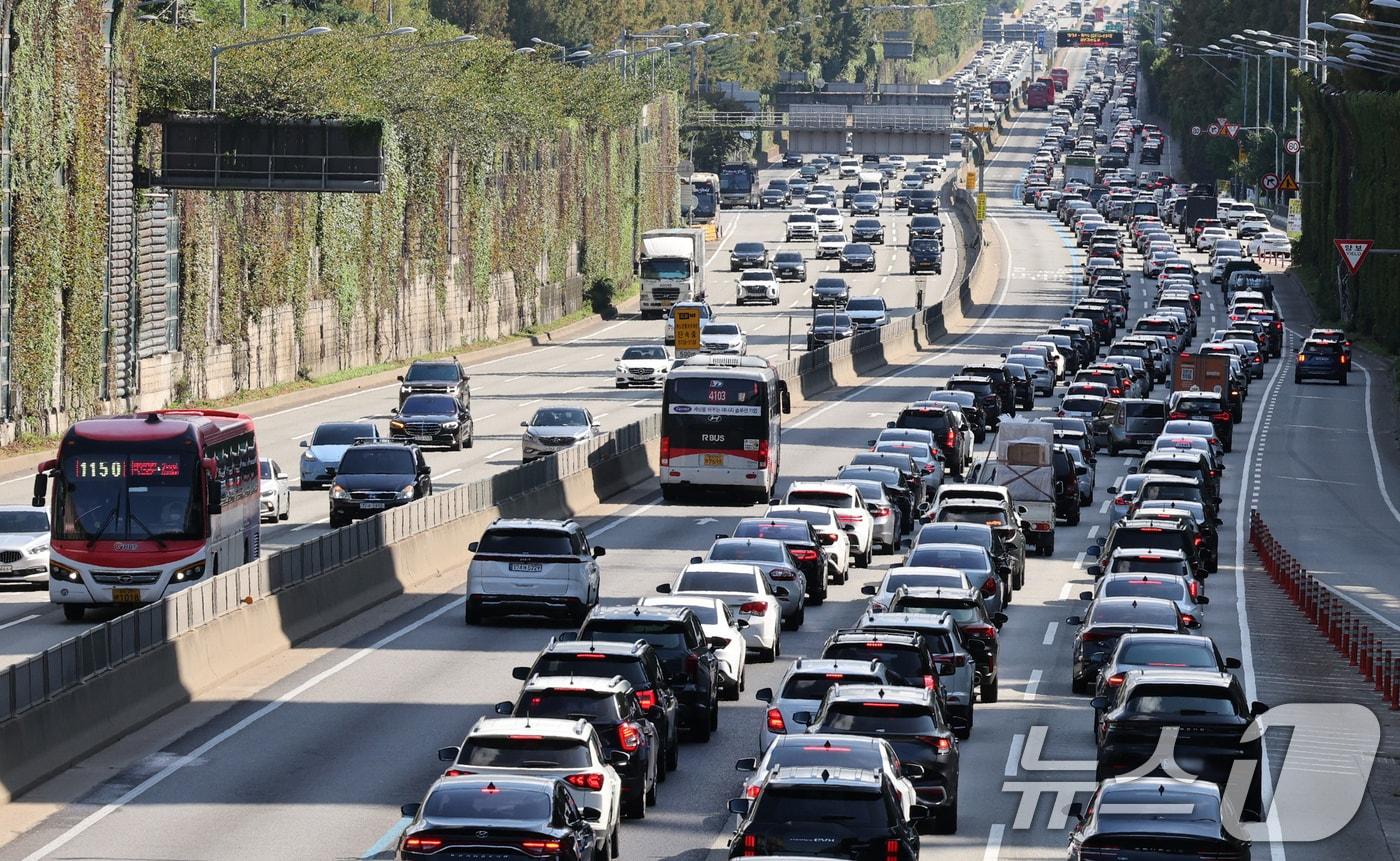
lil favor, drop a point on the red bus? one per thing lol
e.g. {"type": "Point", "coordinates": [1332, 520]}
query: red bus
{"type": "Point", "coordinates": [147, 504]}
{"type": "Point", "coordinates": [1038, 97]}
{"type": "Point", "coordinates": [1061, 78]}
{"type": "Point", "coordinates": [1049, 89]}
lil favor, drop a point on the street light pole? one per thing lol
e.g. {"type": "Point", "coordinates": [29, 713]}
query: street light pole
{"type": "Point", "coordinates": [216, 50]}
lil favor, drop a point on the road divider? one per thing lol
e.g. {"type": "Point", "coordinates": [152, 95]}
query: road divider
{"type": "Point", "coordinates": [78, 697]}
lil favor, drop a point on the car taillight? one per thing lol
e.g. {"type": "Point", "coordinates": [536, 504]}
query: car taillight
{"type": "Point", "coordinates": [1187, 619]}
{"type": "Point", "coordinates": [1199, 541]}
{"type": "Point", "coordinates": [804, 555]}
{"type": "Point", "coordinates": [981, 629]}
{"type": "Point", "coordinates": [1344, 358]}
{"type": "Point", "coordinates": [776, 722]}
{"type": "Point", "coordinates": [692, 664]}
{"type": "Point", "coordinates": [878, 510]}
{"type": "Point", "coordinates": [1123, 499]}
{"type": "Point", "coordinates": [1094, 636]}
{"type": "Point", "coordinates": [1221, 417]}
{"type": "Point", "coordinates": [455, 772]}
{"type": "Point", "coordinates": [750, 846]}
{"type": "Point", "coordinates": [752, 791]}
{"type": "Point", "coordinates": [989, 588]}
{"type": "Point", "coordinates": [753, 608]}
{"type": "Point", "coordinates": [592, 781]}
{"type": "Point", "coordinates": [1115, 680]}
{"type": "Point", "coordinates": [541, 847]}
{"type": "Point", "coordinates": [891, 850]}
{"type": "Point", "coordinates": [951, 439]}
{"type": "Point", "coordinates": [1177, 414]}
{"type": "Point", "coordinates": [877, 607]}
{"type": "Point", "coordinates": [763, 454]}
{"type": "Point", "coordinates": [665, 451]}
{"type": "Point", "coordinates": [422, 843]}
{"type": "Point", "coordinates": [942, 744]}
{"type": "Point", "coordinates": [955, 660]}
{"type": "Point", "coordinates": [930, 682]}
{"type": "Point", "coordinates": [1278, 324]}
{"type": "Point", "coordinates": [1259, 358]}
{"type": "Point", "coordinates": [928, 468]}
{"type": "Point", "coordinates": [1194, 588]}
{"type": "Point", "coordinates": [646, 698]}
{"type": "Point", "coordinates": [629, 737]}
{"type": "Point", "coordinates": [1116, 392]}
{"type": "Point", "coordinates": [1301, 358]}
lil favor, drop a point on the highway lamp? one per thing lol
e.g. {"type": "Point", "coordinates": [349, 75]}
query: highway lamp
{"type": "Point", "coordinates": [216, 50]}
{"type": "Point", "coordinates": [397, 31]}
{"type": "Point", "coordinates": [1386, 4]}
{"type": "Point", "coordinates": [1358, 21]}
{"type": "Point", "coordinates": [460, 40]}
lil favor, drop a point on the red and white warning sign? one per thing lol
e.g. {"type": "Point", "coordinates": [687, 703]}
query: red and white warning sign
{"type": "Point", "coordinates": [1353, 251]}
{"type": "Point", "coordinates": [1232, 129]}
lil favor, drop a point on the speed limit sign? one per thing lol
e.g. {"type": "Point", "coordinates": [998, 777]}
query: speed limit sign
{"type": "Point", "coordinates": [1292, 146]}
{"type": "Point", "coordinates": [1195, 131]}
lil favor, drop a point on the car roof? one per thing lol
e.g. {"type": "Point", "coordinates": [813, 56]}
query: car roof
{"type": "Point", "coordinates": [534, 523]}
{"type": "Point", "coordinates": [598, 684]}
{"type": "Point", "coordinates": [639, 611]}
{"type": "Point", "coordinates": [887, 693]}
{"type": "Point", "coordinates": [549, 727]}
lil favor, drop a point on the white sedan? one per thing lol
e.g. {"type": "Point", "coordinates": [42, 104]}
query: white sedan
{"type": "Point", "coordinates": [723, 338]}
{"type": "Point", "coordinates": [1272, 242]}
{"type": "Point", "coordinates": [643, 365]}
{"type": "Point", "coordinates": [274, 490]}
{"type": "Point", "coordinates": [830, 218]}
{"type": "Point", "coordinates": [845, 501]}
{"type": "Point", "coordinates": [717, 621]}
{"type": "Point", "coordinates": [748, 593]}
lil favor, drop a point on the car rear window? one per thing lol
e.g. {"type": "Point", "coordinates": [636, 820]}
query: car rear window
{"type": "Point", "coordinates": [776, 531]}
{"type": "Point", "coordinates": [593, 665]}
{"type": "Point", "coordinates": [1149, 565]}
{"type": "Point", "coordinates": [906, 662]}
{"type": "Point", "coordinates": [571, 703]}
{"type": "Point", "coordinates": [472, 803]}
{"type": "Point", "coordinates": [341, 434]}
{"type": "Point", "coordinates": [824, 498]}
{"type": "Point", "coordinates": [1081, 405]}
{"type": "Point", "coordinates": [814, 687]}
{"type": "Point", "coordinates": [526, 542]}
{"type": "Point", "coordinates": [525, 751]}
{"type": "Point", "coordinates": [1133, 613]}
{"type": "Point", "coordinates": [879, 717]}
{"type": "Point", "coordinates": [826, 754]}
{"type": "Point", "coordinates": [930, 579]}
{"type": "Point", "coordinates": [717, 581]}
{"type": "Point", "coordinates": [1180, 701]}
{"type": "Point", "coordinates": [664, 636]}
{"type": "Point", "coordinates": [746, 551]}
{"type": "Point", "coordinates": [1150, 652]}
{"type": "Point", "coordinates": [852, 809]}
{"type": "Point", "coordinates": [946, 556]}
{"type": "Point", "coordinates": [970, 514]}
{"type": "Point", "coordinates": [1142, 587]}
{"type": "Point", "coordinates": [1188, 492]}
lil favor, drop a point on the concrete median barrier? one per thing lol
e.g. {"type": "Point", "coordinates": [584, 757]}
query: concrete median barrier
{"type": "Point", "coordinates": [78, 697]}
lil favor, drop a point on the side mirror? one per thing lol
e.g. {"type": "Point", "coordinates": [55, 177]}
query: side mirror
{"type": "Point", "coordinates": [592, 814]}
{"type": "Point", "coordinates": [567, 636]}
{"type": "Point", "coordinates": [663, 588]}
{"type": "Point", "coordinates": [410, 810]}
{"type": "Point", "coordinates": [849, 527]}
{"type": "Point", "coordinates": [1086, 596]}
{"type": "Point", "coordinates": [781, 591]}
{"type": "Point", "coordinates": [41, 489]}
{"type": "Point", "coordinates": [473, 546]}
{"type": "Point", "coordinates": [281, 476]}
{"type": "Point", "coordinates": [599, 552]}
{"type": "Point", "coordinates": [889, 424]}
{"type": "Point", "coordinates": [1081, 470]}
{"type": "Point", "coordinates": [947, 669]}
{"type": "Point", "coordinates": [764, 695]}
{"type": "Point", "coordinates": [747, 764]}
{"type": "Point", "coordinates": [1095, 571]}
{"type": "Point", "coordinates": [1076, 809]}
{"type": "Point", "coordinates": [304, 444]}
{"type": "Point", "coordinates": [1233, 663]}
{"type": "Point", "coordinates": [718, 642]}
{"type": "Point", "coordinates": [399, 378]}
{"type": "Point", "coordinates": [739, 806]}
{"type": "Point", "coordinates": [869, 589]}
{"type": "Point", "coordinates": [741, 624]}
{"type": "Point", "coordinates": [1021, 509]}
{"type": "Point", "coordinates": [1094, 550]}
{"type": "Point", "coordinates": [1218, 521]}
{"type": "Point", "coordinates": [1257, 708]}
{"type": "Point", "coordinates": [696, 560]}
{"type": "Point", "coordinates": [999, 619]}
{"type": "Point", "coordinates": [393, 411]}
{"type": "Point", "coordinates": [1004, 570]}
{"type": "Point", "coordinates": [918, 811]}
{"type": "Point", "coordinates": [448, 754]}
{"type": "Point", "coordinates": [1099, 703]}
{"type": "Point", "coordinates": [524, 424]}
{"type": "Point", "coordinates": [1113, 490]}
{"type": "Point", "coordinates": [1216, 500]}
{"type": "Point", "coordinates": [912, 770]}
{"type": "Point", "coordinates": [505, 707]}
{"type": "Point", "coordinates": [619, 759]}
{"type": "Point", "coordinates": [1074, 620]}
{"type": "Point", "coordinates": [804, 718]}
{"type": "Point", "coordinates": [520, 673]}
{"type": "Point", "coordinates": [1202, 599]}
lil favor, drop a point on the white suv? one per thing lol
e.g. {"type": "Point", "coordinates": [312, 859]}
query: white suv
{"type": "Point", "coordinates": [801, 225]}
{"type": "Point", "coordinates": [756, 285]}
{"type": "Point", "coordinates": [534, 568]}
{"type": "Point", "coordinates": [845, 500]}
{"type": "Point", "coordinates": [569, 750]}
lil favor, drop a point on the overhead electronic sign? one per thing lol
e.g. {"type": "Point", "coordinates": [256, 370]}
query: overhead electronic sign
{"type": "Point", "coordinates": [1089, 38]}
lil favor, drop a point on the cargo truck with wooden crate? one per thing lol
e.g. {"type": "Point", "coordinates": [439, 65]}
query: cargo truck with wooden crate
{"type": "Point", "coordinates": [1024, 466]}
{"type": "Point", "coordinates": [1209, 372]}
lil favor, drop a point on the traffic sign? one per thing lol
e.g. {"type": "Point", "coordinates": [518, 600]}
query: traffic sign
{"type": "Point", "coordinates": [687, 331]}
{"type": "Point", "coordinates": [1221, 121]}
{"type": "Point", "coordinates": [1269, 181]}
{"type": "Point", "coordinates": [1195, 131]}
{"type": "Point", "coordinates": [1353, 251]}
{"type": "Point", "coordinates": [1295, 218]}
{"type": "Point", "coordinates": [1288, 183]}
{"type": "Point", "coordinates": [1214, 129]}
{"type": "Point", "coordinates": [1232, 130]}
{"type": "Point", "coordinates": [981, 206]}
{"type": "Point", "coordinates": [1292, 146]}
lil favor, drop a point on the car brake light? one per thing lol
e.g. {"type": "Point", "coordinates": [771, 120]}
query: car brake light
{"type": "Point", "coordinates": [752, 791]}
{"type": "Point", "coordinates": [1177, 414]}
{"type": "Point", "coordinates": [753, 608]}
{"type": "Point", "coordinates": [419, 843]}
{"type": "Point", "coordinates": [1199, 541]}
{"type": "Point", "coordinates": [646, 698]}
{"type": "Point", "coordinates": [776, 722]}
{"type": "Point", "coordinates": [930, 682]}
{"type": "Point", "coordinates": [592, 781]}
{"type": "Point", "coordinates": [891, 850]}
{"type": "Point", "coordinates": [665, 451]}
{"type": "Point", "coordinates": [763, 454]}
{"type": "Point", "coordinates": [848, 518]}
{"type": "Point", "coordinates": [455, 772]}
{"type": "Point", "coordinates": [1221, 417]}
{"type": "Point", "coordinates": [989, 587]}
{"type": "Point", "coordinates": [750, 846]}
{"type": "Point", "coordinates": [1188, 619]}
{"type": "Point", "coordinates": [981, 629]}
{"type": "Point", "coordinates": [803, 554]}
{"type": "Point", "coordinates": [928, 468]}
{"type": "Point", "coordinates": [1194, 588]}
{"type": "Point", "coordinates": [541, 847]}
{"type": "Point", "coordinates": [879, 510]}
{"type": "Point", "coordinates": [939, 743]}
{"type": "Point", "coordinates": [1123, 499]}
{"type": "Point", "coordinates": [1301, 358]}
{"type": "Point", "coordinates": [629, 737]}
{"type": "Point", "coordinates": [1093, 636]}
{"type": "Point", "coordinates": [1344, 358]}
{"type": "Point", "coordinates": [1115, 680]}
{"type": "Point", "coordinates": [591, 656]}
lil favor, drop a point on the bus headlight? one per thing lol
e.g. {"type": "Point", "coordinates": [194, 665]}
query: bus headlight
{"type": "Point", "coordinates": [188, 573]}
{"type": "Point", "coordinates": [59, 571]}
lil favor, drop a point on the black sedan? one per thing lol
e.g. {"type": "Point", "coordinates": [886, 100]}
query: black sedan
{"type": "Point", "coordinates": [856, 256]}
{"type": "Point", "coordinates": [792, 159]}
{"type": "Point", "coordinates": [748, 255]}
{"type": "Point", "coordinates": [432, 420]}
{"type": "Point", "coordinates": [1109, 619]}
{"type": "Point", "coordinates": [827, 328]}
{"type": "Point", "coordinates": [925, 255]}
{"type": "Point", "coordinates": [789, 266]}
{"type": "Point", "coordinates": [831, 292]}
{"type": "Point", "coordinates": [498, 814]}
{"type": "Point", "coordinates": [868, 230]}
{"type": "Point", "coordinates": [1157, 817]}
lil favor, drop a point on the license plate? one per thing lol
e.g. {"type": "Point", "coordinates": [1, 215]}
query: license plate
{"type": "Point", "coordinates": [714, 460]}
{"type": "Point", "coordinates": [527, 567]}
{"type": "Point", "coordinates": [371, 505]}
{"type": "Point", "coordinates": [126, 596]}
{"type": "Point", "coordinates": [6, 569]}
{"type": "Point", "coordinates": [423, 437]}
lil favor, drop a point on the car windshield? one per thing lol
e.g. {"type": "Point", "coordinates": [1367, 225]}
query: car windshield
{"type": "Point", "coordinates": [794, 805]}
{"type": "Point", "coordinates": [434, 372]}
{"type": "Point", "coordinates": [718, 581]}
{"type": "Point", "coordinates": [570, 703]}
{"type": "Point", "coordinates": [378, 461]}
{"type": "Point", "coordinates": [879, 718]}
{"type": "Point", "coordinates": [526, 542]}
{"type": "Point", "coordinates": [477, 804]}
{"type": "Point", "coordinates": [341, 434]}
{"type": "Point", "coordinates": [748, 248]}
{"type": "Point", "coordinates": [1180, 700]}
{"type": "Point", "coordinates": [644, 353]}
{"type": "Point", "coordinates": [663, 636]}
{"type": "Point", "coordinates": [720, 329]}
{"type": "Point", "coordinates": [814, 687]}
{"type": "Point", "coordinates": [525, 751]}
{"type": "Point", "coordinates": [787, 257]}
{"type": "Point", "coordinates": [1143, 587]}
{"type": "Point", "coordinates": [748, 551]}
{"type": "Point", "coordinates": [429, 405]}
{"type": "Point", "coordinates": [866, 303]}
{"type": "Point", "coordinates": [831, 321]}
{"type": "Point", "coordinates": [1167, 652]}
{"type": "Point", "coordinates": [26, 521]}
{"type": "Point", "coordinates": [830, 284]}
{"type": "Point", "coordinates": [559, 417]}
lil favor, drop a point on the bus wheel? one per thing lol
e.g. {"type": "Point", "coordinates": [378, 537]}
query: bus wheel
{"type": "Point", "coordinates": [669, 492]}
{"type": "Point", "coordinates": [74, 612]}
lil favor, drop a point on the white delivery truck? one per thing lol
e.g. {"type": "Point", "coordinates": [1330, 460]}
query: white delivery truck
{"type": "Point", "coordinates": [1080, 168]}
{"type": "Point", "coordinates": [672, 268]}
{"type": "Point", "coordinates": [1024, 466]}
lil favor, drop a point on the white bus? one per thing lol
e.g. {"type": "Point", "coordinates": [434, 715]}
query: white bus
{"type": "Point", "coordinates": [721, 424]}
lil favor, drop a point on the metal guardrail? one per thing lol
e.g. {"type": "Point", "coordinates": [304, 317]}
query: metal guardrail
{"type": "Point", "coordinates": [867, 119]}
{"type": "Point", "coordinates": [100, 648]}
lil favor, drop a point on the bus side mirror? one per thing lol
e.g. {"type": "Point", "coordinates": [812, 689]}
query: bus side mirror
{"type": "Point", "coordinates": [41, 489]}
{"type": "Point", "coordinates": [785, 399]}
{"type": "Point", "coordinates": [216, 496]}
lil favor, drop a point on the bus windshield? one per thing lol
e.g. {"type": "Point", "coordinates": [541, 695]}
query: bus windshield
{"type": "Point", "coordinates": [117, 494]}
{"type": "Point", "coordinates": [716, 413]}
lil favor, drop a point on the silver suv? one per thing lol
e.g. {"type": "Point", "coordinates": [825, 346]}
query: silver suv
{"type": "Point", "coordinates": [532, 567]}
{"type": "Point", "coordinates": [805, 684]}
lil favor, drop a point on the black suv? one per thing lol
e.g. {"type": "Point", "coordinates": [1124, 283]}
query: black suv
{"type": "Point", "coordinates": [806, 809]}
{"type": "Point", "coordinates": [904, 654]}
{"type": "Point", "coordinates": [433, 420]}
{"type": "Point", "coordinates": [923, 200]}
{"type": "Point", "coordinates": [637, 663]}
{"type": "Point", "coordinates": [988, 398]}
{"type": "Point", "coordinates": [612, 707]}
{"type": "Point", "coordinates": [686, 654]}
{"type": "Point", "coordinates": [436, 377]}
{"type": "Point", "coordinates": [979, 629]}
{"type": "Point", "coordinates": [803, 544]}
{"type": "Point", "coordinates": [925, 255]}
{"type": "Point", "coordinates": [915, 724]}
{"type": "Point", "coordinates": [1204, 406]}
{"type": "Point", "coordinates": [1001, 378]}
{"type": "Point", "coordinates": [1108, 619]}
{"type": "Point", "coordinates": [374, 476]}
{"type": "Point", "coordinates": [1149, 534]}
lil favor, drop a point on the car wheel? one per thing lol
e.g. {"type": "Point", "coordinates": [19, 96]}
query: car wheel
{"type": "Point", "coordinates": [74, 612]}
{"type": "Point", "coordinates": [669, 492]}
{"type": "Point", "coordinates": [988, 690]}
{"type": "Point", "coordinates": [1072, 519]}
{"type": "Point", "coordinates": [1078, 685]}
{"type": "Point", "coordinates": [622, 385]}
{"type": "Point", "coordinates": [309, 485]}
{"type": "Point", "coordinates": [651, 796]}
{"type": "Point", "coordinates": [456, 444]}
{"type": "Point", "coordinates": [817, 597]}
{"type": "Point", "coordinates": [474, 615]}
{"type": "Point", "coordinates": [945, 821]}
{"type": "Point", "coordinates": [1342, 379]}
{"type": "Point", "coordinates": [336, 521]}
{"type": "Point", "coordinates": [634, 808]}
{"type": "Point", "coordinates": [864, 560]}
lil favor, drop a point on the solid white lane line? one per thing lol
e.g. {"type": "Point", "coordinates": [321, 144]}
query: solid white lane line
{"type": "Point", "coordinates": [558, 366]}
{"type": "Point", "coordinates": [1032, 684]}
{"type": "Point", "coordinates": [21, 619]}
{"type": "Point", "coordinates": [484, 418]}
{"type": "Point", "coordinates": [446, 474]}
{"type": "Point", "coordinates": [993, 851]}
{"type": "Point", "coordinates": [199, 753]}
{"type": "Point", "coordinates": [1050, 630]}
{"type": "Point", "coordinates": [498, 453]}
{"type": "Point", "coordinates": [311, 524]}
{"type": "Point", "coordinates": [592, 357]}
{"type": "Point", "coordinates": [535, 401]}
{"type": "Point", "coordinates": [1013, 756]}
{"type": "Point", "coordinates": [637, 512]}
